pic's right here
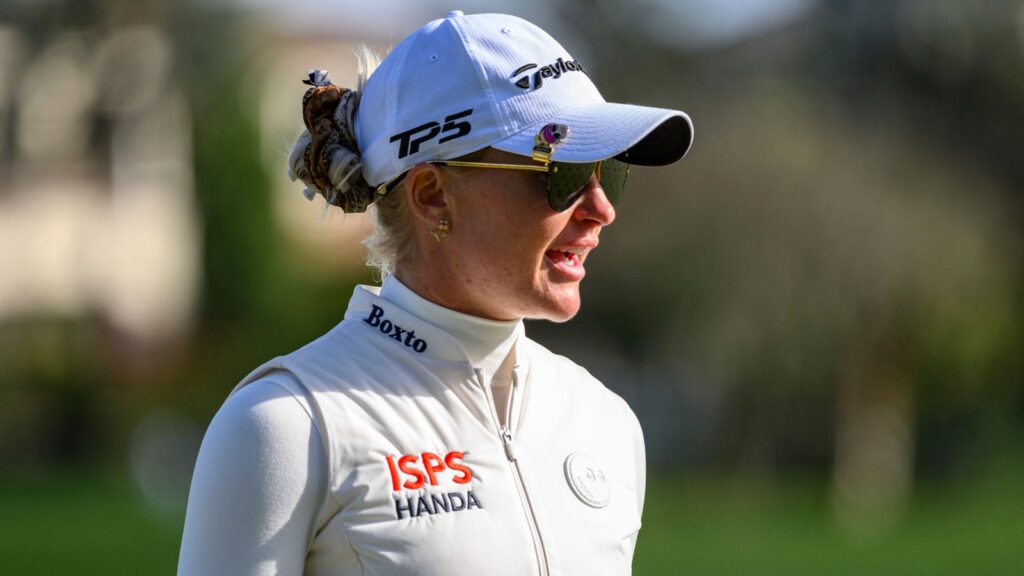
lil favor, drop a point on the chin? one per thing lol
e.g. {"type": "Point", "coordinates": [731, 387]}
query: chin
{"type": "Point", "coordinates": [558, 310]}
{"type": "Point", "coordinates": [559, 319]}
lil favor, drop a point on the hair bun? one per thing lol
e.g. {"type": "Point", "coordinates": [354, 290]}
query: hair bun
{"type": "Point", "coordinates": [329, 162]}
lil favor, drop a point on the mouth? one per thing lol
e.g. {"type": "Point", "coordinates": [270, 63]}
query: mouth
{"type": "Point", "coordinates": [569, 257]}
{"type": "Point", "coordinates": [568, 260]}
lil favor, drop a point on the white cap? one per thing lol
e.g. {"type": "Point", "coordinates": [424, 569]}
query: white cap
{"type": "Point", "coordinates": [463, 83]}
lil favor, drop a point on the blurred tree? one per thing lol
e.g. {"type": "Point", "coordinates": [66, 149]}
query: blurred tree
{"type": "Point", "coordinates": [841, 248]}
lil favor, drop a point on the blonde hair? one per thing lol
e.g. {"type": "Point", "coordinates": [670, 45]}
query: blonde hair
{"type": "Point", "coordinates": [392, 223]}
{"type": "Point", "coordinates": [392, 237]}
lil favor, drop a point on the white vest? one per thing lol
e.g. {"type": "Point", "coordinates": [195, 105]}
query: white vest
{"type": "Point", "coordinates": [424, 480]}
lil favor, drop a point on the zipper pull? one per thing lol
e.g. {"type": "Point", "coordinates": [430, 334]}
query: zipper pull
{"type": "Point", "coordinates": [510, 402]}
{"type": "Point", "coordinates": [506, 440]}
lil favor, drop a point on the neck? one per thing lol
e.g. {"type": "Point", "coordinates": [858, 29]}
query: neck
{"type": "Point", "coordinates": [486, 342]}
{"type": "Point", "coordinates": [438, 280]}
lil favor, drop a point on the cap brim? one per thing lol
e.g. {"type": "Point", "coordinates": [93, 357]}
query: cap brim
{"type": "Point", "coordinates": [601, 130]}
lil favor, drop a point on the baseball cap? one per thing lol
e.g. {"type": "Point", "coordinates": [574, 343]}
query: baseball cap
{"type": "Point", "coordinates": [466, 82]}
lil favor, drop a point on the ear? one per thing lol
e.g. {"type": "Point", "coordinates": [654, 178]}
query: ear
{"type": "Point", "coordinates": [425, 190]}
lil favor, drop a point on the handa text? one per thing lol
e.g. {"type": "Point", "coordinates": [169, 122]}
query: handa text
{"type": "Point", "coordinates": [414, 506]}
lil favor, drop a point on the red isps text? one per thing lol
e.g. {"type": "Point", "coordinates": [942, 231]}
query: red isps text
{"type": "Point", "coordinates": [420, 468]}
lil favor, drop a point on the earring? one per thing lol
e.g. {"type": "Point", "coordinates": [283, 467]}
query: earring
{"type": "Point", "coordinates": [440, 232]}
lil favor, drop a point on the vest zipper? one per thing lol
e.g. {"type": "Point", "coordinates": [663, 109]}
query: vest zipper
{"type": "Point", "coordinates": [505, 434]}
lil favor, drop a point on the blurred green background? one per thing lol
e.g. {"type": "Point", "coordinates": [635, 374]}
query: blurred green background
{"type": "Point", "coordinates": [816, 315]}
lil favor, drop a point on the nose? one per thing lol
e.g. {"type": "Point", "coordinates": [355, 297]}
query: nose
{"type": "Point", "coordinates": [594, 205]}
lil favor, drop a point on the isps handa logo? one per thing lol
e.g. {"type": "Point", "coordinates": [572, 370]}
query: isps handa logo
{"type": "Point", "coordinates": [446, 478]}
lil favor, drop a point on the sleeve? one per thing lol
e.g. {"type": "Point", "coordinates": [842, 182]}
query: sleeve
{"type": "Point", "coordinates": [640, 461]}
{"type": "Point", "coordinates": [640, 455]}
{"type": "Point", "coordinates": [258, 488]}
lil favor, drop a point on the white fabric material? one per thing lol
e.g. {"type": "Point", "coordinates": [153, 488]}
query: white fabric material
{"type": "Point", "coordinates": [259, 486]}
{"type": "Point", "coordinates": [485, 342]}
{"type": "Point", "coordinates": [462, 83]}
{"type": "Point", "coordinates": [294, 474]}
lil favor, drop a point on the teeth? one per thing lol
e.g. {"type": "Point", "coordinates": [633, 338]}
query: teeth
{"type": "Point", "coordinates": [572, 256]}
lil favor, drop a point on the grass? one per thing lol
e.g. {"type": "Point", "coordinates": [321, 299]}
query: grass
{"type": "Point", "coordinates": [86, 524]}
{"type": "Point", "coordinates": [82, 524]}
{"type": "Point", "coordinates": [708, 528]}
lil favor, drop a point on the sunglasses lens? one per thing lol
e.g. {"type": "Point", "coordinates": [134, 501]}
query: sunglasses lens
{"type": "Point", "coordinates": [613, 179]}
{"type": "Point", "coordinates": [567, 181]}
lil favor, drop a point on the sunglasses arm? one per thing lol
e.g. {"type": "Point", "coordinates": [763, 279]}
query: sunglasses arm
{"type": "Point", "coordinates": [459, 163]}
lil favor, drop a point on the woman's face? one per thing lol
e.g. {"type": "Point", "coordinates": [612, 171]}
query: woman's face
{"type": "Point", "coordinates": [509, 255]}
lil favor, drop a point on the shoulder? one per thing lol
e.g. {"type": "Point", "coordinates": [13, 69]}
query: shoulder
{"type": "Point", "coordinates": [264, 435]}
{"type": "Point", "coordinates": [578, 381]}
{"type": "Point", "coordinates": [543, 359]}
{"type": "Point", "coordinates": [346, 349]}
{"type": "Point", "coordinates": [270, 414]}
{"type": "Point", "coordinates": [260, 473]}
{"type": "Point", "coordinates": [276, 393]}
{"type": "Point", "coordinates": [336, 357]}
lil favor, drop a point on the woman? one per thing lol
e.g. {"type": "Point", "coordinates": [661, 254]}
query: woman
{"type": "Point", "coordinates": [425, 434]}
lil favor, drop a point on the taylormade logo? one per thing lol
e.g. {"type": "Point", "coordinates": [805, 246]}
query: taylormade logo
{"type": "Point", "coordinates": [553, 71]}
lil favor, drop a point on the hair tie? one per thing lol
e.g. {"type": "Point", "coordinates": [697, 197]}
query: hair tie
{"type": "Point", "coordinates": [317, 77]}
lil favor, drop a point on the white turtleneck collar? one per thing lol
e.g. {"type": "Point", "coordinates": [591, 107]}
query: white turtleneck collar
{"type": "Point", "coordinates": [487, 343]}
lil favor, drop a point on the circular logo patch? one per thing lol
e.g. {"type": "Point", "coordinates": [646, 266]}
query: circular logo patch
{"type": "Point", "coordinates": [554, 133]}
{"type": "Point", "coordinates": [586, 480]}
